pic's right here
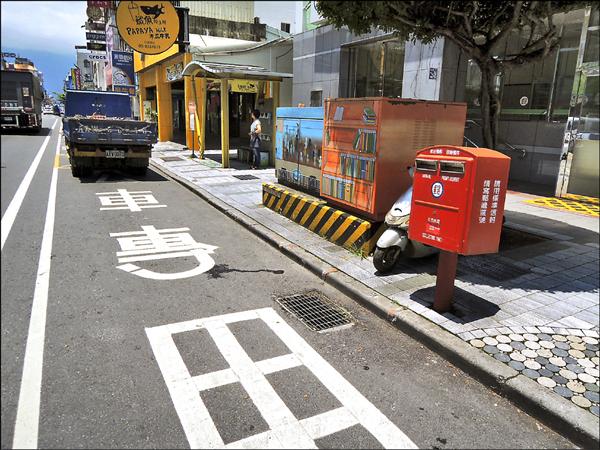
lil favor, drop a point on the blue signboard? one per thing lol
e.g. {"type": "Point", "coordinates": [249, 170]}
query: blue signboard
{"type": "Point", "coordinates": [122, 69]}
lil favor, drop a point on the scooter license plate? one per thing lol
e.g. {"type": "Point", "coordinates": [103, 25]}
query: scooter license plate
{"type": "Point", "coordinates": [115, 153]}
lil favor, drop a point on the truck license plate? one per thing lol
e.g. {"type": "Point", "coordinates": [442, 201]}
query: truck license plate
{"type": "Point", "coordinates": [115, 153]}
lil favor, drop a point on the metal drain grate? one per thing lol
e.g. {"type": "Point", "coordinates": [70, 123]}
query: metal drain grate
{"type": "Point", "coordinates": [316, 311]}
{"type": "Point", "coordinates": [246, 177]}
{"type": "Point", "coordinates": [171, 158]}
{"type": "Point", "coordinates": [500, 271]}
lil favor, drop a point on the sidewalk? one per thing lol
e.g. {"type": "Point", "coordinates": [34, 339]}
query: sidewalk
{"type": "Point", "coordinates": [533, 306]}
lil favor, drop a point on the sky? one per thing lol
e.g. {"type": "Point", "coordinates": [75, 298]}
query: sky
{"type": "Point", "coordinates": [46, 32]}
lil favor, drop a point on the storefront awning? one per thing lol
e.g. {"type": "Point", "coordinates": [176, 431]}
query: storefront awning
{"type": "Point", "coordinates": [229, 71]}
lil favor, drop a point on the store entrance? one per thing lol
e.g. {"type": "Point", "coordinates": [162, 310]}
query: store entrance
{"type": "Point", "coordinates": [240, 108]}
{"type": "Point", "coordinates": [178, 111]}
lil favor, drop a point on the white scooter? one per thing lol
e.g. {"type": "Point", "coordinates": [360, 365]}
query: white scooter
{"type": "Point", "coordinates": [394, 241]}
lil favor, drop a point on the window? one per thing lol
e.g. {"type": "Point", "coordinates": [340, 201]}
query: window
{"type": "Point", "coordinates": [375, 69]}
{"type": "Point", "coordinates": [285, 27]}
{"type": "Point", "coordinates": [316, 98]}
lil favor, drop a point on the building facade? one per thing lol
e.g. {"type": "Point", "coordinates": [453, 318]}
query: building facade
{"type": "Point", "coordinates": [549, 116]}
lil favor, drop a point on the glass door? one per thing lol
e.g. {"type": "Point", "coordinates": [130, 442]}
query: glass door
{"type": "Point", "coordinates": [579, 169]}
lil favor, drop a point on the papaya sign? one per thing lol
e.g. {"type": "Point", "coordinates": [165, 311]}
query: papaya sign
{"type": "Point", "coordinates": [148, 27]}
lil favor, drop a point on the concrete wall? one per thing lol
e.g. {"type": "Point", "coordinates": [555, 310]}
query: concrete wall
{"type": "Point", "coordinates": [273, 13]}
{"type": "Point", "coordinates": [423, 70]}
{"type": "Point", "coordinates": [237, 11]}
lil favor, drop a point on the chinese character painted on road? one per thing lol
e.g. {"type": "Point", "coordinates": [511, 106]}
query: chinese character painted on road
{"type": "Point", "coordinates": [151, 244]}
{"type": "Point", "coordinates": [123, 199]}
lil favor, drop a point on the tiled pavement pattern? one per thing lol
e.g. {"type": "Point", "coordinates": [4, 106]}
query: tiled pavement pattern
{"type": "Point", "coordinates": [546, 277]}
{"type": "Point", "coordinates": [564, 362]}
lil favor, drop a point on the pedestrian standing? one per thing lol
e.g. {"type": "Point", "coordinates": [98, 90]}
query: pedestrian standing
{"type": "Point", "coordinates": [255, 131]}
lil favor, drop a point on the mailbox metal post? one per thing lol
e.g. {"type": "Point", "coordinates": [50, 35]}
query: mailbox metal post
{"type": "Point", "coordinates": [444, 285]}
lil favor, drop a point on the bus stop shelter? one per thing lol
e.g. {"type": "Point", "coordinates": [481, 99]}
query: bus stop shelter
{"type": "Point", "coordinates": [197, 72]}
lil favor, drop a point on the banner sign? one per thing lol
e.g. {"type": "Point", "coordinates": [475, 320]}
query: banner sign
{"type": "Point", "coordinates": [95, 56]}
{"type": "Point", "coordinates": [126, 89]}
{"type": "Point", "coordinates": [174, 72]}
{"type": "Point", "coordinates": [92, 36]}
{"type": "Point", "coordinates": [96, 46]}
{"type": "Point", "coordinates": [148, 27]}
{"type": "Point", "coordinates": [122, 69]}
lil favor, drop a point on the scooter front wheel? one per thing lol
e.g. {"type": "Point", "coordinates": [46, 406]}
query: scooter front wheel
{"type": "Point", "coordinates": [384, 259]}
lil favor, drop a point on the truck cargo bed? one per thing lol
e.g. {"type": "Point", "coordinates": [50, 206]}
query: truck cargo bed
{"type": "Point", "coordinates": [109, 131]}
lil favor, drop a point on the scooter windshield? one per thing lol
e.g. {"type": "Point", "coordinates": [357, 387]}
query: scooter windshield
{"type": "Point", "coordinates": [402, 205]}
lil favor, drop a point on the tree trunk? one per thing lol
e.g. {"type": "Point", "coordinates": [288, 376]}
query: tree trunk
{"type": "Point", "coordinates": [490, 105]}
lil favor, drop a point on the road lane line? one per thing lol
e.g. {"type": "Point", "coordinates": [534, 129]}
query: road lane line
{"type": "Point", "coordinates": [28, 408]}
{"type": "Point", "coordinates": [15, 204]}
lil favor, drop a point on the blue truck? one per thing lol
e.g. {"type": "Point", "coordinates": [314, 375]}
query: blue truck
{"type": "Point", "coordinates": [100, 133]}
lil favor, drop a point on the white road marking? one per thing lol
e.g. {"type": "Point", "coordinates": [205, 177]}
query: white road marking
{"type": "Point", "coordinates": [152, 244]}
{"type": "Point", "coordinates": [286, 431]}
{"type": "Point", "coordinates": [28, 408]}
{"type": "Point", "coordinates": [13, 208]}
{"type": "Point", "coordinates": [134, 201]}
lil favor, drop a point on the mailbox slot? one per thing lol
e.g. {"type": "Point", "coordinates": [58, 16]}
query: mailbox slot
{"type": "Point", "coordinates": [426, 165]}
{"type": "Point", "coordinates": [455, 167]}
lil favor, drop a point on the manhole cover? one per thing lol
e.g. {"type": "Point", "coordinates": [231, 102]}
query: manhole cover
{"type": "Point", "coordinates": [316, 311]}
{"type": "Point", "coordinates": [171, 158]}
{"type": "Point", "coordinates": [246, 177]}
{"type": "Point", "coordinates": [488, 267]}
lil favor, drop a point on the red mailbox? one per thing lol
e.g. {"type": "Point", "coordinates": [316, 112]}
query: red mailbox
{"type": "Point", "coordinates": [458, 198]}
{"type": "Point", "coordinates": [457, 206]}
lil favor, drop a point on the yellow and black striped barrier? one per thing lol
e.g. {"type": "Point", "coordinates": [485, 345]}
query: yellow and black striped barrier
{"type": "Point", "coordinates": [571, 203]}
{"type": "Point", "coordinates": [356, 234]}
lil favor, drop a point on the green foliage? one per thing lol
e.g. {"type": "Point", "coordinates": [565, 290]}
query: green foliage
{"type": "Point", "coordinates": [60, 96]}
{"type": "Point", "coordinates": [477, 27]}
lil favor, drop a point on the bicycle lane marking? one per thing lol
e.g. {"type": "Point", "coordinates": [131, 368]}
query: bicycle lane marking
{"type": "Point", "coordinates": [28, 407]}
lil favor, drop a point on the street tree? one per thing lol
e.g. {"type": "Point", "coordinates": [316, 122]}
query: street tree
{"type": "Point", "coordinates": [478, 28]}
{"type": "Point", "coordinates": [60, 96]}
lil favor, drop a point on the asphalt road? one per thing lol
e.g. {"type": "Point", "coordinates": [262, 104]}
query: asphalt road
{"type": "Point", "coordinates": [128, 360]}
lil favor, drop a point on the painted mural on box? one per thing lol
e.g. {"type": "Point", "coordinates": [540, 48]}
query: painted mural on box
{"type": "Point", "coordinates": [298, 147]}
{"type": "Point", "coordinates": [302, 144]}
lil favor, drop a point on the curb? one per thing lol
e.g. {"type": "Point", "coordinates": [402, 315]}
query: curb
{"type": "Point", "coordinates": [559, 413]}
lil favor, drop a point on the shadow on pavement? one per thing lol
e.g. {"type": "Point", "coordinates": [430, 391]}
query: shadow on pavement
{"type": "Point", "coordinates": [119, 176]}
{"type": "Point", "coordinates": [45, 131]}
{"type": "Point", "coordinates": [504, 269]}
{"type": "Point", "coordinates": [466, 307]}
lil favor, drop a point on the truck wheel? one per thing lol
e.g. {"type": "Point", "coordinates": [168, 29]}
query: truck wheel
{"type": "Point", "coordinates": [384, 259]}
{"type": "Point", "coordinates": [75, 170]}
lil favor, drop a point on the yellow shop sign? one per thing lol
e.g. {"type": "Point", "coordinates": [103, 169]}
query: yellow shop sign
{"type": "Point", "coordinates": [248, 86]}
{"type": "Point", "coordinates": [149, 27]}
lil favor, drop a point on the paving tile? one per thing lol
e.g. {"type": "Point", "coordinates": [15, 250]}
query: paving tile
{"type": "Point", "coordinates": [588, 316]}
{"type": "Point", "coordinates": [479, 333]}
{"type": "Point", "coordinates": [466, 336]}
{"type": "Point", "coordinates": [491, 332]}
{"type": "Point", "coordinates": [434, 316]}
